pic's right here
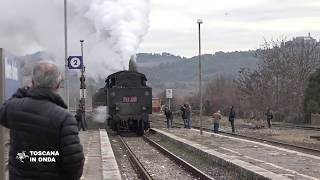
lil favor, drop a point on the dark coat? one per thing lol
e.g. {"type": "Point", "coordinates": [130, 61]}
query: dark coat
{"type": "Point", "coordinates": [232, 115]}
{"type": "Point", "coordinates": [168, 113]}
{"type": "Point", "coordinates": [269, 115]}
{"type": "Point", "coordinates": [188, 112]}
{"type": "Point", "coordinates": [183, 112]}
{"type": "Point", "coordinates": [38, 121]}
{"type": "Point", "coordinates": [78, 115]}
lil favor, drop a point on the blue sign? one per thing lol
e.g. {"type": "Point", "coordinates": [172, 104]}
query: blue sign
{"type": "Point", "coordinates": [12, 74]}
{"type": "Point", "coordinates": [75, 62]}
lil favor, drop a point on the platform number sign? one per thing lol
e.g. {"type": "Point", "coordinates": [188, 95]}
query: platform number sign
{"type": "Point", "coordinates": [75, 62]}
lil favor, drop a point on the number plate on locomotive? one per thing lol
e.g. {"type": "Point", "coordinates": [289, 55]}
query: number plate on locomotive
{"type": "Point", "coordinates": [130, 99]}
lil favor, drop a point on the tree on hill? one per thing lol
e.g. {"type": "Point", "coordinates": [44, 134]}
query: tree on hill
{"type": "Point", "coordinates": [312, 95]}
{"type": "Point", "coordinates": [281, 78]}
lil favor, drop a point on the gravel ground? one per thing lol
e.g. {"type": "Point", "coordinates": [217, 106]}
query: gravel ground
{"type": "Point", "coordinates": [246, 127]}
{"type": "Point", "coordinates": [201, 163]}
{"type": "Point", "coordinates": [158, 165]}
{"type": "Point", "coordinates": [126, 170]}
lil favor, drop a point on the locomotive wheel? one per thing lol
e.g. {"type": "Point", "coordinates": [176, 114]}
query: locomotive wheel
{"type": "Point", "coordinates": [109, 120]}
{"type": "Point", "coordinates": [114, 125]}
{"type": "Point", "coordinates": [146, 122]}
{"type": "Point", "coordinates": [118, 128]}
{"type": "Point", "coordinates": [140, 130]}
{"type": "Point", "coordinates": [108, 123]}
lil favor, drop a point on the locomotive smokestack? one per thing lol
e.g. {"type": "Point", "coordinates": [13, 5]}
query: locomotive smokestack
{"type": "Point", "coordinates": [132, 64]}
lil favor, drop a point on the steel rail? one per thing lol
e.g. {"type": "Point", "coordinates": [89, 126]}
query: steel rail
{"type": "Point", "coordinates": [135, 162]}
{"type": "Point", "coordinates": [187, 166]}
{"type": "Point", "coordinates": [303, 127]}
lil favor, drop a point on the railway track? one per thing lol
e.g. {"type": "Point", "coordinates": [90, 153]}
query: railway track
{"type": "Point", "coordinates": [135, 162]}
{"type": "Point", "coordinates": [303, 127]}
{"type": "Point", "coordinates": [146, 169]}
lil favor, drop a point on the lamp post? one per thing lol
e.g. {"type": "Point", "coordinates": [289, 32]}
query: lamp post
{"type": "Point", "coordinates": [199, 21]}
{"type": "Point", "coordinates": [66, 79]}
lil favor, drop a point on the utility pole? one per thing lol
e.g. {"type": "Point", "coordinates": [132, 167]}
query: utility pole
{"type": "Point", "coordinates": [66, 79]}
{"type": "Point", "coordinates": [199, 21]}
{"type": "Point", "coordinates": [83, 85]}
{"type": "Point", "coordinates": [2, 134]}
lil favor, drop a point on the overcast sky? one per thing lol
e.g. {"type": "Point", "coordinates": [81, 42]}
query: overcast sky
{"type": "Point", "coordinates": [229, 25]}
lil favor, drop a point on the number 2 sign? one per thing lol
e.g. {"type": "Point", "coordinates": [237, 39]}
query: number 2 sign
{"type": "Point", "coordinates": [75, 62]}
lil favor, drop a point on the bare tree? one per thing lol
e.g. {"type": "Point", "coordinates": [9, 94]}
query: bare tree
{"type": "Point", "coordinates": [280, 79]}
{"type": "Point", "coordinates": [220, 92]}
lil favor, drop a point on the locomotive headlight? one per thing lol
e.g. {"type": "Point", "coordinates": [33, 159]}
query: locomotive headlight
{"type": "Point", "coordinates": [117, 108]}
{"type": "Point", "coordinates": [113, 93]}
{"type": "Point", "coordinates": [146, 93]}
{"type": "Point", "coordinates": [144, 108]}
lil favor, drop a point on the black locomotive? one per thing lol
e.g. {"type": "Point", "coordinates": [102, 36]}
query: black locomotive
{"type": "Point", "coordinates": [129, 102]}
{"type": "Point", "coordinates": [99, 98]}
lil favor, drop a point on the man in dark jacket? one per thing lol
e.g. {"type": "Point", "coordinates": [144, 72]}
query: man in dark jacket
{"type": "Point", "coordinates": [183, 115]}
{"type": "Point", "coordinates": [269, 117]}
{"type": "Point", "coordinates": [169, 117]}
{"type": "Point", "coordinates": [188, 115]}
{"type": "Point", "coordinates": [44, 141]}
{"type": "Point", "coordinates": [232, 116]}
{"type": "Point", "coordinates": [80, 119]}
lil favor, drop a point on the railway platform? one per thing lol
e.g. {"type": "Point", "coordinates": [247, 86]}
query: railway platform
{"type": "Point", "coordinates": [252, 159]}
{"type": "Point", "coordinates": [100, 163]}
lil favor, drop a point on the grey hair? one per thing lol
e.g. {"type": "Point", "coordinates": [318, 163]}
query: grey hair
{"type": "Point", "coordinates": [47, 75]}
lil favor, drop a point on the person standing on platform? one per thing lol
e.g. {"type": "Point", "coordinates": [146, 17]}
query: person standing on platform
{"type": "Point", "coordinates": [216, 121]}
{"type": "Point", "coordinates": [80, 118]}
{"type": "Point", "coordinates": [188, 115]}
{"type": "Point", "coordinates": [39, 122]}
{"type": "Point", "coordinates": [269, 117]}
{"type": "Point", "coordinates": [232, 116]}
{"type": "Point", "coordinates": [169, 117]}
{"type": "Point", "coordinates": [183, 115]}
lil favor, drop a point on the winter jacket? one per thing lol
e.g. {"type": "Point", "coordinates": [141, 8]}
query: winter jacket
{"type": "Point", "coordinates": [38, 121]}
{"type": "Point", "coordinates": [168, 113]}
{"type": "Point", "coordinates": [232, 115]}
{"type": "Point", "coordinates": [216, 117]}
{"type": "Point", "coordinates": [188, 112]}
{"type": "Point", "coordinates": [183, 112]}
{"type": "Point", "coordinates": [269, 115]}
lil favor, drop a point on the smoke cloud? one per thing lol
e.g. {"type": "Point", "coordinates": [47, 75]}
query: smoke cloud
{"type": "Point", "coordinates": [100, 114]}
{"type": "Point", "coordinates": [112, 30]}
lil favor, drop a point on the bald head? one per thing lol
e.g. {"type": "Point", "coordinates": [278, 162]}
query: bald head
{"type": "Point", "coordinates": [46, 75]}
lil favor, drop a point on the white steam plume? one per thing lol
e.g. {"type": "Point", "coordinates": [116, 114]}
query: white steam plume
{"type": "Point", "coordinates": [100, 114]}
{"type": "Point", "coordinates": [112, 30]}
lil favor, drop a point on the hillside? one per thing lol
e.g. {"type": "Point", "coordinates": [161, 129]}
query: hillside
{"type": "Point", "coordinates": [169, 71]}
{"type": "Point", "coordinates": [165, 70]}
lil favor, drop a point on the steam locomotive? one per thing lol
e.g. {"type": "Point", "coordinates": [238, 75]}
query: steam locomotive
{"type": "Point", "coordinates": [128, 100]}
